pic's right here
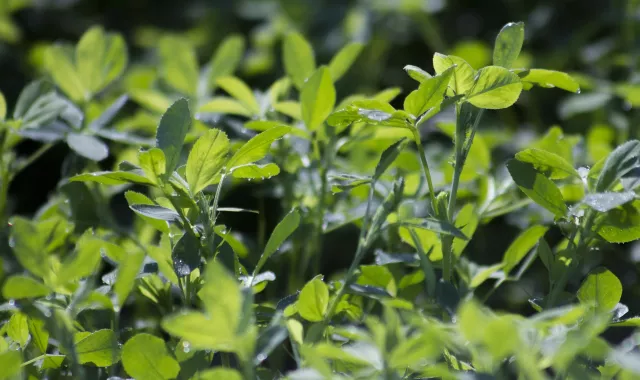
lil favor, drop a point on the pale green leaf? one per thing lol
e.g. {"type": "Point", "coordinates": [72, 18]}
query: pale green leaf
{"type": "Point", "coordinates": [241, 92]}
{"type": "Point", "coordinates": [20, 286]}
{"type": "Point", "coordinates": [429, 94]}
{"type": "Point", "coordinates": [313, 300]}
{"type": "Point", "coordinates": [343, 60]}
{"type": "Point", "coordinates": [258, 147]}
{"type": "Point", "coordinates": [519, 248]}
{"type": "Point", "coordinates": [495, 88]}
{"type": "Point", "coordinates": [508, 44]}
{"type": "Point", "coordinates": [206, 159]}
{"type": "Point", "coordinates": [99, 348]}
{"type": "Point", "coordinates": [546, 162]}
{"type": "Point", "coordinates": [317, 98]}
{"type": "Point", "coordinates": [255, 171]}
{"type": "Point", "coordinates": [602, 288]}
{"type": "Point", "coordinates": [145, 357]}
{"type": "Point", "coordinates": [298, 58]}
{"type": "Point", "coordinates": [462, 79]}
{"type": "Point", "coordinates": [60, 65]}
{"type": "Point", "coordinates": [179, 64]}
{"type": "Point", "coordinates": [225, 105]}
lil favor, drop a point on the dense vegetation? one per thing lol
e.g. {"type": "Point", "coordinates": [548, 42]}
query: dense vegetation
{"type": "Point", "coordinates": [305, 190]}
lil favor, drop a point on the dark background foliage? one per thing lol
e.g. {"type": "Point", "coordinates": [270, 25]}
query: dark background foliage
{"type": "Point", "coordinates": [594, 37]}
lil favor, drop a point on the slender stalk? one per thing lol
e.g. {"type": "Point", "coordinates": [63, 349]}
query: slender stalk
{"type": "Point", "coordinates": [34, 156]}
{"type": "Point", "coordinates": [425, 168]}
{"type": "Point", "coordinates": [4, 179]}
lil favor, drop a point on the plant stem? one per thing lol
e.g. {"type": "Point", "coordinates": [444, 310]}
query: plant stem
{"type": "Point", "coordinates": [37, 154]}
{"type": "Point", "coordinates": [425, 168]}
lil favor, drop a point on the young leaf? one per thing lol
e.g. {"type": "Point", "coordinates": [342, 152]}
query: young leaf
{"type": "Point", "coordinates": [128, 269]}
{"type": "Point", "coordinates": [226, 58]}
{"type": "Point", "coordinates": [18, 329]}
{"type": "Point", "coordinates": [462, 79]}
{"type": "Point", "coordinates": [59, 64]}
{"type": "Point", "coordinates": [620, 225]}
{"type": "Point", "coordinates": [254, 171]}
{"type": "Point", "coordinates": [186, 255]}
{"type": "Point", "coordinates": [29, 247]}
{"type": "Point", "coordinates": [258, 147]}
{"type": "Point", "coordinates": [317, 98]}
{"type": "Point", "coordinates": [88, 146]}
{"type": "Point", "coordinates": [153, 164]}
{"type": "Point", "coordinates": [429, 94]}
{"type": "Point", "coordinates": [537, 187]}
{"type": "Point", "coordinates": [240, 91]}
{"type": "Point", "coordinates": [20, 286]}
{"type": "Point", "coordinates": [313, 300]}
{"type": "Point", "coordinates": [84, 261]}
{"type": "Point", "coordinates": [388, 156]}
{"type": "Point", "coordinates": [172, 131]}
{"type": "Point", "coordinates": [621, 161]}
{"type": "Point", "coordinates": [100, 58]}
{"type": "Point", "coordinates": [604, 202]}
{"type": "Point", "coordinates": [343, 60]}
{"type": "Point", "coordinates": [495, 88]}
{"type": "Point", "coordinates": [544, 161]}
{"type": "Point", "coordinates": [417, 73]}
{"type": "Point", "coordinates": [145, 357]}
{"type": "Point", "coordinates": [179, 64]}
{"type": "Point", "coordinates": [218, 373]}
{"type": "Point", "coordinates": [549, 79]}
{"type": "Point", "coordinates": [39, 334]}
{"type": "Point", "coordinates": [202, 332]}
{"type": "Point", "coordinates": [11, 363]}
{"type": "Point", "coordinates": [206, 159]}
{"type": "Point", "coordinates": [224, 105]}
{"type": "Point", "coordinates": [602, 288]}
{"type": "Point", "coordinates": [521, 246]}
{"type": "Point", "coordinates": [3, 107]}
{"type": "Point", "coordinates": [508, 44]}
{"type": "Point", "coordinates": [112, 178]}
{"type": "Point", "coordinates": [298, 58]}
{"type": "Point", "coordinates": [97, 348]}
{"type": "Point", "coordinates": [283, 230]}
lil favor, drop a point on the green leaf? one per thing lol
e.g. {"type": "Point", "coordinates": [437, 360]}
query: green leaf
{"type": "Point", "coordinates": [226, 58]}
{"type": "Point", "coordinates": [172, 131]}
{"type": "Point", "coordinates": [218, 373]}
{"type": "Point", "coordinates": [206, 159]}
{"type": "Point", "coordinates": [20, 286]}
{"type": "Point", "coordinates": [100, 58]}
{"type": "Point", "coordinates": [620, 225]}
{"type": "Point", "coordinates": [462, 79]}
{"type": "Point", "coordinates": [258, 147]}
{"type": "Point", "coordinates": [554, 165]}
{"type": "Point", "coordinates": [241, 92]}
{"type": "Point", "coordinates": [202, 332]}
{"type": "Point", "coordinates": [430, 94]}
{"type": "Point", "coordinates": [128, 269]}
{"type": "Point", "coordinates": [435, 225]}
{"type": "Point", "coordinates": [602, 288]}
{"type": "Point", "coordinates": [179, 64]}
{"type": "Point", "coordinates": [549, 79]}
{"type": "Point", "coordinates": [417, 73]}
{"type": "Point", "coordinates": [133, 197]}
{"type": "Point", "coordinates": [97, 348]}
{"type": "Point", "coordinates": [317, 98]}
{"type": "Point", "coordinates": [18, 329]}
{"type": "Point", "coordinates": [145, 357]}
{"type": "Point", "coordinates": [604, 202]}
{"type": "Point", "coordinates": [342, 61]}
{"type": "Point", "coordinates": [83, 261]}
{"type": "Point", "coordinates": [60, 65]}
{"type": "Point", "coordinates": [11, 364]}
{"type": "Point", "coordinates": [620, 162]}
{"type": "Point", "coordinates": [39, 336]}
{"type": "Point", "coordinates": [156, 212]}
{"type": "Point", "coordinates": [537, 187]}
{"type": "Point", "coordinates": [495, 88]}
{"type": "Point", "coordinates": [283, 230]}
{"type": "Point", "coordinates": [186, 255]}
{"type": "Point", "coordinates": [151, 99]}
{"type": "Point", "coordinates": [225, 105]}
{"type": "Point", "coordinates": [313, 300]}
{"type": "Point", "coordinates": [521, 246]}
{"type": "Point", "coordinates": [223, 306]}
{"type": "Point", "coordinates": [298, 58]}
{"type": "Point", "coordinates": [483, 273]}
{"type": "Point", "coordinates": [153, 164]}
{"type": "Point", "coordinates": [88, 146]}
{"type": "Point", "coordinates": [28, 247]}
{"type": "Point", "coordinates": [388, 157]}
{"type": "Point", "coordinates": [112, 178]}
{"type": "Point", "coordinates": [508, 44]}
{"type": "Point", "coordinates": [254, 171]}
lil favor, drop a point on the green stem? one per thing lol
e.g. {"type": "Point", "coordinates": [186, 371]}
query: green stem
{"type": "Point", "coordinates": [425, 168]}
{"type": "Point", "coordinates": [4, 179]}
{"type": "Point", "coordinates": [37, 154]}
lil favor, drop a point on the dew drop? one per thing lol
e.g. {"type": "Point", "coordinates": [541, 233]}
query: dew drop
{"type": "Point", "coordinates": [627, 106]}
{"type": "Point", "coordinates": [186, 347]}
{"type": "Point", "coordinates": [579, 91]}
{"type": "Point", "coordinates": [261, 357]}
{"type": "Point", "coordinates": [12, 303]}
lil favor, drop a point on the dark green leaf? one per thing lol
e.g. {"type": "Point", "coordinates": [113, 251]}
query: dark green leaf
{"type": "Point", "coordinates": [435, 225]}
{"type": "Point", "coordinates": [388, 157]}
{"type": "Point", "coordinates": [283, 230]}
{"type": "Point", "coordinates": [172, 131]}
{"type": "Point", "coordinates": [186, 255]}
{"type": "Point", "coordinates": [269, 339]}
{"type": "Point", "coordinates": [537, 187]}
{"type": "Point", "coordinates": [156, 212]}
{"type": "Point", "coordinates": [545, 161]}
